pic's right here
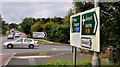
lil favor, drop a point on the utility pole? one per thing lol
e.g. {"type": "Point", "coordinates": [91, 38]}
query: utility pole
{"type": "Point", "coordinates": [95, 58]}
{"type": "Point", "coordinates": [74, 48]}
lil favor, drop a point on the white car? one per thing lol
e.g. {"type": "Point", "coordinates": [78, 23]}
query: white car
{"type": "Point", "coordinates": [23, 42]}
{"type": "Point", "coordinates": [10, 37]}
{"type": "Point", "coordinates": [16, 34]}
{"type": "Point", "coordinates": [20, 33]}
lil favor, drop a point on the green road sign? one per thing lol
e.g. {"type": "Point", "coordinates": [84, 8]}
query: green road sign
{"type": "Point", "coordinates": [76, 24]}
{"type": "Point", "coordinates": [89, 23]}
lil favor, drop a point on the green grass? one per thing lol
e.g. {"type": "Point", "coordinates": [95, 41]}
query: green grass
{"type": "Point", "coordinates": [4, 35]}
{"type": "Point", "coordinates": [79, 63]}
{"type": "Point", "coordinates": [51, 43]}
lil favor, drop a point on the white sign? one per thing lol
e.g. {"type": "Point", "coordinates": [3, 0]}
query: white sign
{"type": "Point", "coordinates": [88, 35]}
{"type": "Point", "coordinates": [86, 42]}
{"type": "Point", "coordinates": [39, 34]}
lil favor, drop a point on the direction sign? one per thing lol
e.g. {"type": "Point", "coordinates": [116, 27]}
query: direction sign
{"type": "Point", "coordinates": [76, 24]}
{"type": "Point", "coordinates": [87, 26]}
{"type": "Point", "coordinates": [86, 42]}
{"type": "Point", "coordinates": [89, 23]}
{"type": "Point", "coordinates": [39, 34]}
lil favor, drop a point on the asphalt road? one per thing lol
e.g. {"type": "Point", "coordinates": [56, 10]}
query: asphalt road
{"type": "Point", "coordinates": [42, 54]}
{"type": "Point", "coordinates": [41, 48]}
{"type": "Point", "coordinates": [22, 59]}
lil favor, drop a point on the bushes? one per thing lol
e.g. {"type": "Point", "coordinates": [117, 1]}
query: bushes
{"type": "Point", "coordinates": [59, 33]}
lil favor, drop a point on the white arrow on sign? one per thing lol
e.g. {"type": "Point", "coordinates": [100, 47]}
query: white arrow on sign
{"type": "Point", "coordinates": [83, 20]}
{"type": "Point", "coordinates": [95, 24]}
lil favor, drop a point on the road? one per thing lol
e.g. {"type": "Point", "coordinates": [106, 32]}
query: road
{"type": "Point", "coordinates": [42, 54]}
{"type": "Point", "coordinates": [41, 48]}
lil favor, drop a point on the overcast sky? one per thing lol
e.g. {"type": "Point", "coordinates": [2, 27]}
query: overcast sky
{"type": "Point", "coordinates": [16, 11]}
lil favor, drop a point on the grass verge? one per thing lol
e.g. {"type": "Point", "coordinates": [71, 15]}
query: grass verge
{"type": "Point", "coordinates": [82, 63]}
{"type": "Point", "coordinates": [51, 42]}
{"type": "Point", "coordinates": [4, 35]}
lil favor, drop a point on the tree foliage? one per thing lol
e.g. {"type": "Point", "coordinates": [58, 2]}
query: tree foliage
{"type": "Point", "coordinates": [67, 17]}
{"type": "Point", "coordinates": [37, 27]}
{"type": "Point", "coordinates": [26, 25]}
{"type": "Point", "coordinates": [47, 26]}
{"type": "Point", "coordinates": [59, 33]}
{"type": "Point", "coordinates": [3, 26]}
{"type": "Point", "coordinates": [13, 26]}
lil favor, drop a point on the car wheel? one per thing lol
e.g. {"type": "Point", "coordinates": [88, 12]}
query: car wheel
{"type": "Point", "coordinates": [9, 46]}
{"type": "Point", "coordinates": [31, 46]}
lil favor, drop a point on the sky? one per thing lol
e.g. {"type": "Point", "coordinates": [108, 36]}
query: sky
{"type": "Point", "coordinates": [14, 12]}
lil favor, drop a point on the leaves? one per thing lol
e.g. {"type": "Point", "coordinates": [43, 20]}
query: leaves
{"type": "Point", "coordinates": [26, 25]}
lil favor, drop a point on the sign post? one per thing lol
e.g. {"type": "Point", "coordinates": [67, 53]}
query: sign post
{"type": "Point", "coordinates": [75, 28]}
{"type": "Point", "coordinates": [95, 58]}
{"type": "Point", "coordinates": [85, 32]}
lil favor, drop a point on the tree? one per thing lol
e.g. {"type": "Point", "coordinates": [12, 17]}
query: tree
{"type": "Point", "coordinates": [59, 33]}
{"type": "Point", "coordinates": [37, 27]}
{"type": "Point", "coordinates": [45, 20]}
{"type": "Point", "coordinates": [58, 20]}
{"type": "Point", "coordinates": [110, 27]}
{"type": "Point", "coordinates": [47, 26]}
{"type": "Point", "coordinates": [67, 17]}
{"type": "Point", "coordinates": [26, 25]}
{"type": "Point", "coordinates": [13, 25]}
{"type": "Point", "coordinates": [4, 27]}
{"type": "Point", "coordinates": [83, 6]}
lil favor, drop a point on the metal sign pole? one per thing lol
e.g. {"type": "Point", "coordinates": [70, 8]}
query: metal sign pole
{"type": "Point", "coordinates": [74, 49]}
{"type": "Point", "coordinates": [95, 58]}
{"type": "Point", "coordinates": [74, 56]}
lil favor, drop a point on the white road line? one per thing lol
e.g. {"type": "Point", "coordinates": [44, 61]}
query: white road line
{"type": "Point", "coordinates": [28, 57]}
{"type": "Point", "coordinates": [31, 61]}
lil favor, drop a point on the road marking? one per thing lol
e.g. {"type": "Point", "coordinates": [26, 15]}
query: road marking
{"type": "Point", "coordinates": [28, 57]}
{"type": "Point", "coordinates": [9, 59]}
{"type": "Point", "coordinates": [32, 62]}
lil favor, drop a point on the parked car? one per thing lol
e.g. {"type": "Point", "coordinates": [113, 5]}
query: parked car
{"type": "Point", "coordinates": [23, 42]}
{"type": "Point", "coordinates": [10, 36]}
{"type": "Point", "coordinates": [20, 33]}
{"type": "Point", "coordinates": [17, 34]}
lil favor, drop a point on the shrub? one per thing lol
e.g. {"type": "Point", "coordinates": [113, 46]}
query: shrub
{"type": "Point", "coordinates": [59, 33]}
